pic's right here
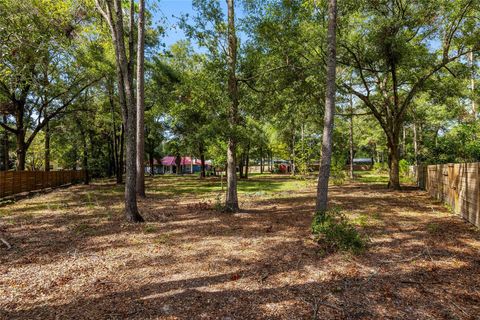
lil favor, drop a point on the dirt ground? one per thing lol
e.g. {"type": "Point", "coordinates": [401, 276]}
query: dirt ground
{"type": "Point", "coordinates": [73, 257]}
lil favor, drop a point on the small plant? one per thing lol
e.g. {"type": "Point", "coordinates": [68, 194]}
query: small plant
{"type": "Point", "coordinates": [149, 228]}
{"type": "Point", "coordinates": [332, 229]}
{"type": "Point", "coordinates": [433, 228]}
{"type": "Point", "coordinates": [81, 228]}
{"type": "Point", "coordinates": [163, 239]}
{"type": "Point", "coordinates": [218, 205]}
{"type": "Point", "coordinates": [90, 201]}
{"type": "Point", "coordinates": [337, 173]}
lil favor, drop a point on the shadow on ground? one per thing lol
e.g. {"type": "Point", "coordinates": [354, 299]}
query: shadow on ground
{"type": "Point", "coordinates": [74, 257]}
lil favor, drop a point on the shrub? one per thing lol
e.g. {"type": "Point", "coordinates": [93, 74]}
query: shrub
{"type": "Point", "coordinates": [337, 173]}
{"type": "Point", "coordinates": [380, 167]}
{"type": "Point", "coordinates": [333, 230]}
{"type": "Point", "coordinates": [403, 167]}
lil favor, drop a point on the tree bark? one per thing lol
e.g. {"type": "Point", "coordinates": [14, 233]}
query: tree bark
{"type": "Point", "coordinates": [5, 147]}
{"type": "Point", "coordinates": [241, 166]}
{"type": "Point", "coordinates": [261, 161]}
{"type": "Point", "coordinates": [324, 173]}
{"type": "Point", "coordinates": [121, 156]}
{"type": "Point", "coordinates": [85, 156]}
{"type": "Point", "coordinates": [47, 146]}
{"type": "Point", "coordinates": [178, 164]}
{"type": "Point", "coordinates": [116, 157]}
{"type": "Point", "coordinates": [231, 200]}
{"type": "Point", "coordinates": [126, 95]}
{"type": "Point", "coordinates": [247, 160]}
{"type": "Point", "coordinates": [141, 101]}
{"type": "Point", "coordinates": [111, 158]}
{"type": "Point", "coordinates": [472, 84]}
{"type": "Point", "coordinates": [351, 140]}
{"type": "Point", "coordinates": [21, 149]}
{"type": "Point", "coordinates": [293, 154]}
{"type": "Point", "coordinates": [415, 144]}
{"type": "Point", "coordinates": [202, 163]}
{"type": "Point", "coordinates": [394, 174]}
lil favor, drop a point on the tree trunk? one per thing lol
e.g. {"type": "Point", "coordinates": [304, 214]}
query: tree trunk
{"type": "Point", "coordinates": [202, 163]}
{"type": "Point", "coordinates": [472, 84]}
{"type": "Point", "coordinates": [241, 166]}
{"type": "Point", "coordinates": [324, 173]}
{"type": "Point", "coordinates": [85, 159]}
{"type": "Point", "coordinates": [293, 155]}
{"type": "Point", "coordinates": [261, 161]}
{"type": "Point", "coordinates": [394, 174]}
{"type": "Point", "coordinates": [111, 158]}
{"type": "Point", "coordinates": [131, 43]}
{"type": "Point", "coordinates": [120, 167]}
{"type": "Point", "coordinates": [247, 160]}
{"type": "Point", "coordinates": [231, 200]}
{"type": "Point", "coordinates": [351, 138]}
{"type": "Point", "coordinates": [178, 164]}
{"type": "Point", "coordinates": [21, 149]}
{"type": "Point", "coordinates": [5, 146]}
{"type": "Point", "coordinates": [129, 114]}
{"type": "Point", "coordinates": [47, 146]}
{"type": "Point", "coordinates": [141, 101]}
{"type": "Point", "coordinates": [415, 144]}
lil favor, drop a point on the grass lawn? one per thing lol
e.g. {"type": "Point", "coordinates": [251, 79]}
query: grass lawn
{"type": "Point", "coordinates": [74, 257]}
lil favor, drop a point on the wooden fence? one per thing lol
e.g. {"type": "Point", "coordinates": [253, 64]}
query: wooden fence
{"type": "Point", "coordinates": [458, 185]}
{"type": "Point", "coordinates": [15, 182]}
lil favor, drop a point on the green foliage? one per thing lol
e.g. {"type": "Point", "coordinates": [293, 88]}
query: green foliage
{"type": "Point", "coordinates": [404, 167]}
{"type": "Point", "coordinates": [338, 175]}
{"type": "Point", "coordinates": [380, 167]}
{"type": "Point", "coordinates": [334, 231]}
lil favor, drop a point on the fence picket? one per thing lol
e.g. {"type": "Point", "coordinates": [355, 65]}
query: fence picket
{"type": "Point", "coordinates": [457, 184]}
{"type": "Point", "coordinates": [26, 181]}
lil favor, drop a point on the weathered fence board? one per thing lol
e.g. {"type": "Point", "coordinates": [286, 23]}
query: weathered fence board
{"type": "Point", "coordinates": [15, 182]}
{"type": "Point", "coordinates": [458, 185]}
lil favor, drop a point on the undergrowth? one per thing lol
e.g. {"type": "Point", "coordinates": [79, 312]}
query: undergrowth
{"type": "Point", "coordinates": [335, 232]}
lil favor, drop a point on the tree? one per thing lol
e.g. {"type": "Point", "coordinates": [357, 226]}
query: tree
{"type": "Point", "coordinates": [39, 52]}
{"type": "Point", "coordinates": [231, 200]}
{"type": "Point", "coordinates": [390, 48]}
{"type": "Point", "coordinates": [324, 174]}
{"type": "Point", "coordinates": [141, 101]}
{"type": "Point", "coordinates": [220, 39]}
{"type": "Point", "coordinates": [112, 12]}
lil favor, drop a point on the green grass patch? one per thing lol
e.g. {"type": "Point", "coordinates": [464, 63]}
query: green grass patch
{"type": "Point", "coordinates": [257, 184]}
{"type": "Point", "coordinates": [371, 177]}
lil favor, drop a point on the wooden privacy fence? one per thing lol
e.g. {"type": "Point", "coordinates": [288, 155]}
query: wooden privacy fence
{"type": "Point", "coordinates": [15, 182]}
{"type": "Point", "coordinates": [458, 185]}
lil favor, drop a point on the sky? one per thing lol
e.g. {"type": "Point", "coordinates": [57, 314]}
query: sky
{"type": "Point", "coordinates": [166, 10]}
{"type": "Point", "coordinates": [169, 9]}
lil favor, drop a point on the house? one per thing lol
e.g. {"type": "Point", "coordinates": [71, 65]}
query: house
{"type": "Point", "coordinates": [168, 165]}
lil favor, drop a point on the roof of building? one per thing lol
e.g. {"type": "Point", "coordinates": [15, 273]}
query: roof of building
{"type": "Point", "coordinates": [185, 161]}
{"type": "Point", "coordinates": [362, 160]}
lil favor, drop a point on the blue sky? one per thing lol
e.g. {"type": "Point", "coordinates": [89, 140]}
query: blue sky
{"type": "Point", "coordinates": [166, 9]}
{"type": "Point", "coordinates": [169, 9]}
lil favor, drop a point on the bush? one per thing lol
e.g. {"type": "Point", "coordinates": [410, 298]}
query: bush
{"type": "Point", "coordinates": [403, 167]}
{"type": "Point", "coordinates": [380, 167]}
{"type": "Point", "coordinates": [332, 229]}
{"type": "Point", "coordinates": [337, 173]}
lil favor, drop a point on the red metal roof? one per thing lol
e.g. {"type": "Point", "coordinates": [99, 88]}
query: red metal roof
{"type": "Point", "coordinates": [186, 161]}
